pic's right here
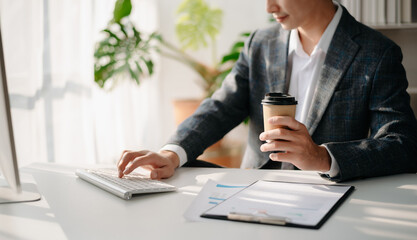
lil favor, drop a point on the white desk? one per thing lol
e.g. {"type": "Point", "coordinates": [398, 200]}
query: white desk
{"type": "Point", "coordinates": [379, 208]}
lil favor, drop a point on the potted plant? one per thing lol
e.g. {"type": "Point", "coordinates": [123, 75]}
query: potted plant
{"type": "Point", "coordinates": [125, 51]}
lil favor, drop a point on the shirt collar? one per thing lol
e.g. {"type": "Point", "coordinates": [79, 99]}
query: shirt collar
{"type": "Point", "coordinates": [324, 42]}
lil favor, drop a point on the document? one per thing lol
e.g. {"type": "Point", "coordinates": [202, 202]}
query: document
{"type": "Point", "coordinates": [282, 203]}
{"type": "Point", "coordinates": [210, 195]}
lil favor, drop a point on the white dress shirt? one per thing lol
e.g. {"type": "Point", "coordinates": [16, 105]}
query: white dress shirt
{"type": "Point", "coordinates": [182, 154]}
{"type": "Point", "coordinates": [305, 71]}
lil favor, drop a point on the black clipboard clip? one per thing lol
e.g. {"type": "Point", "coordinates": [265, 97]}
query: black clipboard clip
{"type": "Point", "coordinates": [257, 218]}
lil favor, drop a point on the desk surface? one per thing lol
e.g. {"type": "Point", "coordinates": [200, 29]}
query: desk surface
{"type": "Point", "coordinates": [379, 208]}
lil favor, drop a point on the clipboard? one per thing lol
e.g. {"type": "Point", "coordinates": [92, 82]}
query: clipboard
{"type": "Point", "coordinates": [291, 204]}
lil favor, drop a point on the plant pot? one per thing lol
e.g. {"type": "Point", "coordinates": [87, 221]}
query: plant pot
{"type": "Point", "coordinates": [219, 153]}
{"type": "Point", "coordinates": [183, 108]}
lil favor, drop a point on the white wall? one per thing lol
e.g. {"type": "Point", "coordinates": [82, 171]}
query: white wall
{"type": "Point", "coordinates": [407, 40]}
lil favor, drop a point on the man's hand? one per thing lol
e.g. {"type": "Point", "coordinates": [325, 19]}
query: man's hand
{"type": "Point", "coordinates": [293, 141]}
{"type": "Point", "coordinates": [161, 165]}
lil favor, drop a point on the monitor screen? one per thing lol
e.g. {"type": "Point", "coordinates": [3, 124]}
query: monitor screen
{"type": "Point", "coordinates": [10, 185]}
{"type": "Point", "coordinates": [8, 159]}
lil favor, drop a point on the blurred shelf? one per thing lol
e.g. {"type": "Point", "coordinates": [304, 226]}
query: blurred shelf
{"type": "Point", "coordinates": [394, 26]}
{"type": "Point", "coordinates": [412, 90]}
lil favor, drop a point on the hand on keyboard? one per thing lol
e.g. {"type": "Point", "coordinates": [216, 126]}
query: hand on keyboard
{"type": "Point", "coordinates": [135, 183]}
{"type": "Point", "coordinates": [161, 165]}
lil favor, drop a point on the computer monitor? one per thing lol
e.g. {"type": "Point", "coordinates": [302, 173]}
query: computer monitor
{"type": "Point", "coordinates": [14, 191]}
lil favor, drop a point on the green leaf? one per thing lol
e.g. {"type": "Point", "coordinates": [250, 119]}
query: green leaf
{"type": "Point", "coordinates": [105, 43]}
{"type": "Point", "coordinates": [246, 121]}
{"type": "Point", "coordinates": [124, 50]}
{"type": "Point", "coordinates": [246, 34]}
{"type": "Point", "coordinates": [122, 8]}
{"type": "Point", "coordinates": [138, 67]}
{"type": "Point", "coordinates": [133, 74]}
{"type": "Point", "coordinates": [122, 28]}
{"type": "Point", "coordinates": [156, 36]}
{"type": "Point", "coordinates": [149, 65]}
{"type": "Point", "coordinates": [100, 54]}
{"type": "Point", "coordinates": [238, 46]}
{"type": "Point", "coordinates": [103, 73]}
{"type": "Point", "coordinates": [100, 69]}
{"type": "Point", "coordinates": [121, 69]}
{"type": "Point", "coordinates": [197, 23]}
{"type": "Point", "coordinates": [104, 50]}
{"type": "Point", "coordinates": [136, 33]}
{"type": "Point", "coordinates": [111, 34]}
{"type": "Point", "coordinates": [230, 57]}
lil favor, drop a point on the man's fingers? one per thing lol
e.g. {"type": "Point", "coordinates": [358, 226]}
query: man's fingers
{"type": "Point", "coordinates": [285, 121]}
{"type": "Point", "coordinates": [278, 146]}
{"type": "Point", "coordinates": [121, 157]}
{"type": "Point", "coordinates": [164, 172]}
{"type": "Point", "coordinates": [160, 164]}
{"type": "Point", "coordinates": [278, 134]}
{"type": "Point", "coordinates": [126, 158]}
{"type": "Point", "coordinates": [148, 167]}
{"type": "Point", "coordinates": [147, 159]}
{"type": "Point", "coordinates": [283, 157]}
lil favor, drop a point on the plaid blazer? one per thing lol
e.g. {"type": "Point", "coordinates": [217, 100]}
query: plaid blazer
{"type": "Point", "coordinates": [361, 111]}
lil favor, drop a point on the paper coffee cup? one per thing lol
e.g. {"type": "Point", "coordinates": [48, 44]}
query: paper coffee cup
{"type": "Point", "coordinates": [277, 104]}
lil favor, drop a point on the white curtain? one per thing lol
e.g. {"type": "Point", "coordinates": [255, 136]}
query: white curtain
{"type": "Point", "coordinates": [59, 113]}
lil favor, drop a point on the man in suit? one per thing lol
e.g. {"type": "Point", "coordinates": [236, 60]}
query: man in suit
{"type": "Point", "coordinates": [353, 115]}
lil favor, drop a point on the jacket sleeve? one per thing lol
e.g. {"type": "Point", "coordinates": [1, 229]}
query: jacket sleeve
{"type": "Point", "coordinates": [391, 147]}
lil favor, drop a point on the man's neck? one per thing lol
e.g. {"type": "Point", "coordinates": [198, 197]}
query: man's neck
{"type": "Point", "coordinates": [311, 32]}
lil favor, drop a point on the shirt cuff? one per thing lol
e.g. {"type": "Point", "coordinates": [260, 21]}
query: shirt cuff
{"type": "Point", "coordinates": [182, 155]}
{"type": "Point", "coordinates": [334, 167]}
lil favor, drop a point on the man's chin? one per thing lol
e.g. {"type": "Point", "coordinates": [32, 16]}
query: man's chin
{"type": "Point", "coordinates": [287, 26]}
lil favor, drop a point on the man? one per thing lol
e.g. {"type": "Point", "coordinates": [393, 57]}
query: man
{"type": "Point", "coordinates": [353, 115]}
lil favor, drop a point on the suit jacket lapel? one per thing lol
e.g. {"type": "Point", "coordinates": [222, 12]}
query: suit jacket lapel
{"type": "Point", "coordinates": [276, 63]}
{"type": "Point", "coordinates": [340, 54]}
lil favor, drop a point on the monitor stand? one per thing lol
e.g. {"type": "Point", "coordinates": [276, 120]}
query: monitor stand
{"type": "Point", "coordinates": [28, 193]}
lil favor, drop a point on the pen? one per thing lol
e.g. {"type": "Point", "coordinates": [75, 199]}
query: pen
{"type": "Point", "coordinates": [276, 220]}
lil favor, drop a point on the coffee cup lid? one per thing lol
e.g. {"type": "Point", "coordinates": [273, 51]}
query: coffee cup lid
{"type": "Point", "coordinates": [278, 99]}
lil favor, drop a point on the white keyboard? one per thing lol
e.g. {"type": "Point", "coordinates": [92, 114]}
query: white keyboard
{"type": "Point", "coordinates": [125, 187]}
